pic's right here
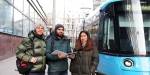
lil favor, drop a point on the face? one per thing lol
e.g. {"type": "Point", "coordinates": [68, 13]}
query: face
{"type": "Point", "coordinates": [39, 30]}
{"type": "Point", "coordinates": [60, 31]}
{"type": "Point", "coordinates": [83, 37]}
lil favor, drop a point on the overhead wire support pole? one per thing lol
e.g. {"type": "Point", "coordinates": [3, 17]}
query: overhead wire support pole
{"type": "Point", "coordinates": [54, 14]}
{"type": "Point", "coordinates": [64, 13]}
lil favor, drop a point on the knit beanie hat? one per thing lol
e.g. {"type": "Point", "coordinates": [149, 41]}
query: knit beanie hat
{"type": "Point", "coordinates": [58, 26]}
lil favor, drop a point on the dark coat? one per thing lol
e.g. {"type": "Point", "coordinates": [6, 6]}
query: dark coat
{"type": "Point", "coordinates": [25, 51]}
{"type": "Point", "coordinates": [54, 63]}
{"type": "Point", "coordinates": [85, 61]}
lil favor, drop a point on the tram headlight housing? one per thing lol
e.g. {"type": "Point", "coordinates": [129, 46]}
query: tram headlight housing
{"type": "Point", "coordinates": [128, 62]}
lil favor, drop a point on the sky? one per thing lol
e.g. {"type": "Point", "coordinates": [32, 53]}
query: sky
{"type": "Point", "coordinates": [70, 6]}
{"type": "Point", "coordinates": [73, 5]}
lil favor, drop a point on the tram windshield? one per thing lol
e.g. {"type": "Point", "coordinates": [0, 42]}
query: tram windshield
{"type": "Point", "coordinates": [127, 31]}
{"type": "Point", "coordinates": [134, 26]}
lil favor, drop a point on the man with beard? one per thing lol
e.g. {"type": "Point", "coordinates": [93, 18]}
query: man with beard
{"type": "Point", "coordinates": [57, 47]}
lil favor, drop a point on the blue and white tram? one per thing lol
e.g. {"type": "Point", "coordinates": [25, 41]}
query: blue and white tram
{"type": "Point", "coordinates": [123, 34]}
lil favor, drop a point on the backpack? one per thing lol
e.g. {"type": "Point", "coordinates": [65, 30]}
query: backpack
{"type": "Point", "coordinates": [22, 66]}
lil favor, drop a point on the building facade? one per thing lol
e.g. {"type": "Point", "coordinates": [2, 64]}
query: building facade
{"type": "Point", "coordinates": [17, 17]}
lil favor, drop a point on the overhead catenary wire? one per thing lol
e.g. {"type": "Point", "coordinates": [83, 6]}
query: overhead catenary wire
{"type": "Point", "coordinates": [41, 8]}
{"type": "Point", "coordinates": [37, 11]}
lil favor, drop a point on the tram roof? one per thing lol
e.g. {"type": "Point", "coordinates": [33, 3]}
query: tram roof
{"type": "Point", "coordinates": [104, 5]}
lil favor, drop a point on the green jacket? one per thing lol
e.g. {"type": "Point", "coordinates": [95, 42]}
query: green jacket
{"type": "Point", "coordinates": [53, 43]}
{"type": "Point", "coordinates": [25, 51]}
{"type": "Point", "coordinates": [85, 62]}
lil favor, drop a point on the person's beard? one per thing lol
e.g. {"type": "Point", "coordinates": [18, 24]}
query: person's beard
{"type": "Point", "coordinates": [60, 35]}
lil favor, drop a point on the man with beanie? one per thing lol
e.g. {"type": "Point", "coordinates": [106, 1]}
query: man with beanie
{"type": "Point", "coordinates": [57, 47]}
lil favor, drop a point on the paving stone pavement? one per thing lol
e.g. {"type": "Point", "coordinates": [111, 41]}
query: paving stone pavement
{"type": "Point", "coordinates": [8, 67]}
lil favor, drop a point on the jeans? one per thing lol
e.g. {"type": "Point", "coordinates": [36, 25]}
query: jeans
{"type": "Point", "coordinates": [58, 73]}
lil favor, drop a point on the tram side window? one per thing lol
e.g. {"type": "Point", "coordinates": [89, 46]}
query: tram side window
{"type": "Point", "coordinates": [112, 44]}
{"type": "Point", "coordinates": [109, 40]}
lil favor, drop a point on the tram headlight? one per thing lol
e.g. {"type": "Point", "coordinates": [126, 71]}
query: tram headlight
{"type": "Point", "coordinates": [128, 62]}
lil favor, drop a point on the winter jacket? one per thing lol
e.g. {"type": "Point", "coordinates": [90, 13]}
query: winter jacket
{"type": "Point", "coordinates": [53, 43]}
{"type": "Point", "coordinates": [33, 46]}
{"type": "Point", "coordinates": [85, 62]}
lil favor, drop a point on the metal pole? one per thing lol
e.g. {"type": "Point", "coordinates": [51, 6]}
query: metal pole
{"type": "Point", "coordinates": [64, 13]}
{"type": "Point", "coordinates": [83, 24]}
{"type": "Point", "coordinates": [54, 14]}
{"type": "Point", "coordinates": [23, 19]}
{"type": "Point", "coordinates": [29, 20]}
{"type": "Point", "coordinates": [13, 27]}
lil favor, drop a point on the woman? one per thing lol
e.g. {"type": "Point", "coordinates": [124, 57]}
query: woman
{"type": "Point", "coordinates": [32, 49]}
{"type": "Point", "coordinates": [86, 58]}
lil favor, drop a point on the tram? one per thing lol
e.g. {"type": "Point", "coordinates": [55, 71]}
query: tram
{"type": "Point", "coordinates": [122, 31]}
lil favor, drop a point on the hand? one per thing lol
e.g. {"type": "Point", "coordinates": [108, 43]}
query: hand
{"type": "Point", "coordinates": [33, 60]}
{"type": "Point", "coordinates": [71, 55]}
{"type": "Point", "coordinates": [62, 55]}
